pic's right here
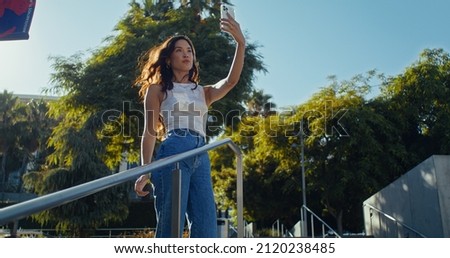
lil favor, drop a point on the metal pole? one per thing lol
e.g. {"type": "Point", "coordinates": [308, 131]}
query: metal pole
{"type": "Point", "coordinates": [176, 202]}
{"type": "Point", "coordinates": [302, 145]}
{"type": "Point", "coordinates": [239, 190]}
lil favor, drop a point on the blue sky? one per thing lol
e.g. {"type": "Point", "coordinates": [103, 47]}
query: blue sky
{"type": "Point", "coordinates": [302, 41]}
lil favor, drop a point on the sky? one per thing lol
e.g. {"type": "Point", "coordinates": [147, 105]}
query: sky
{"type": "Point", "coordinates": [302, 42]}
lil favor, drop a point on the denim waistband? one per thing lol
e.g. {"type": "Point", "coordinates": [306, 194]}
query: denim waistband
{"type": "Point", "coordinates": [184, 132]}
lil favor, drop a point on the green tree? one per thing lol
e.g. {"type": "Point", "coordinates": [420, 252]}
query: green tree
{"type": "Point", "coordinates": [33, 135]}
{"type": "Point", "coordinates": [77, 157]}
{"type": "Point", "coordinates": [24, 130]}
{"type": "Point", "coordinates": [353, 146]}
{"type": "Point", "coordinates": [13, 119]}
{"type": "Point", "coordinates": [419, 101]}
{"type": "Point", "coordinates": [347, 144]}
{"type": "Point", "coordinates": [263, 142]}
{"type": "Point", "coordinates": [259, 104]}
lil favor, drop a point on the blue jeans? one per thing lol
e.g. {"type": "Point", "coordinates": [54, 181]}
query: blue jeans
{"type": "Point", "coordinates": [197, 197]}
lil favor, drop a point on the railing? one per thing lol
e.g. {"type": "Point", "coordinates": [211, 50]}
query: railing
{"type": "Point", "coordinates": [26, 208]}
{"type": "Point", "coordinates": [391, 218]}
{"type": "Point", "coordinates": [323, 223]}
{"type": "Point", "coordinates": [278, 229]}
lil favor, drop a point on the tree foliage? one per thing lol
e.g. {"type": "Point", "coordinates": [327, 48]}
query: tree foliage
{"type": "Point", "coordinates": [13, 121]}
{"type": "Point", "coordinates": [354, 146]}
{"type": "Point", "coordinates": [24, 129]}
{"type": "Point", "coordinates": [419, 102]}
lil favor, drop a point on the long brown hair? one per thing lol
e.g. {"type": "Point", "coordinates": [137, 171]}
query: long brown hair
{"type": "Point", "coordinates": [155, 70]}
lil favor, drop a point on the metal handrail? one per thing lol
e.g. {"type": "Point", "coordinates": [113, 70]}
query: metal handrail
{"type": "Point", "coordinates": [313, 215]}
{"type": "Point", "coordinates": [38, 204]}
{"type": "Point", "coordinates": [394, 219]}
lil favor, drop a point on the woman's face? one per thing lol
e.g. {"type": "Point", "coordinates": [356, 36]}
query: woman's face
{"type": "Point", "coordinates": [182, 57]}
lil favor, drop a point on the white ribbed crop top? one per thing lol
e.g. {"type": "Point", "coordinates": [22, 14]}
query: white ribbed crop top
{"type": "Point", "coordinates": [185, 107]}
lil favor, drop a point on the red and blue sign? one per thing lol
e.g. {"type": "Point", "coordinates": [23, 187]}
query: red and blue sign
{"type": "Point", "coordinates": [15, 19]}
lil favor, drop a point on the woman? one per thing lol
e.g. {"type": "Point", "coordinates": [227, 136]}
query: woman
{"type": "Point", "coordinates": [174, 100]}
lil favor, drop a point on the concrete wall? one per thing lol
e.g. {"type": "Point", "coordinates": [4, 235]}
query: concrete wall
{"type": "Point", "coordinates": [419, 200]}
{"type": "Point", "coordinates": [442, 164]}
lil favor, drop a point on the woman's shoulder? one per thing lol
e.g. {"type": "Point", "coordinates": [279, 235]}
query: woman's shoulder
{"type": "Point", "coordinates": [155, 90]}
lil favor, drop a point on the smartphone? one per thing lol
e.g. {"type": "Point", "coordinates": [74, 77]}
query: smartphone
{"type": "Point", "coordinates": [226, 9]}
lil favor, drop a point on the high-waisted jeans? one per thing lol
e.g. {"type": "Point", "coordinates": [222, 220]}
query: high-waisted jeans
{"type": "Point", "coordinates": [197, 197]}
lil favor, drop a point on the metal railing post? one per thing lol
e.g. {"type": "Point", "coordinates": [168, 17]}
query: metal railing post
{"type": "Point", "coordinates": [391, 218]}
{"type": "Point", "coordinates": [314, 216]}
{"type": "Point", "coordinates": [239, 189]}
{"type": "Point", "coordinates": [176, 202]}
